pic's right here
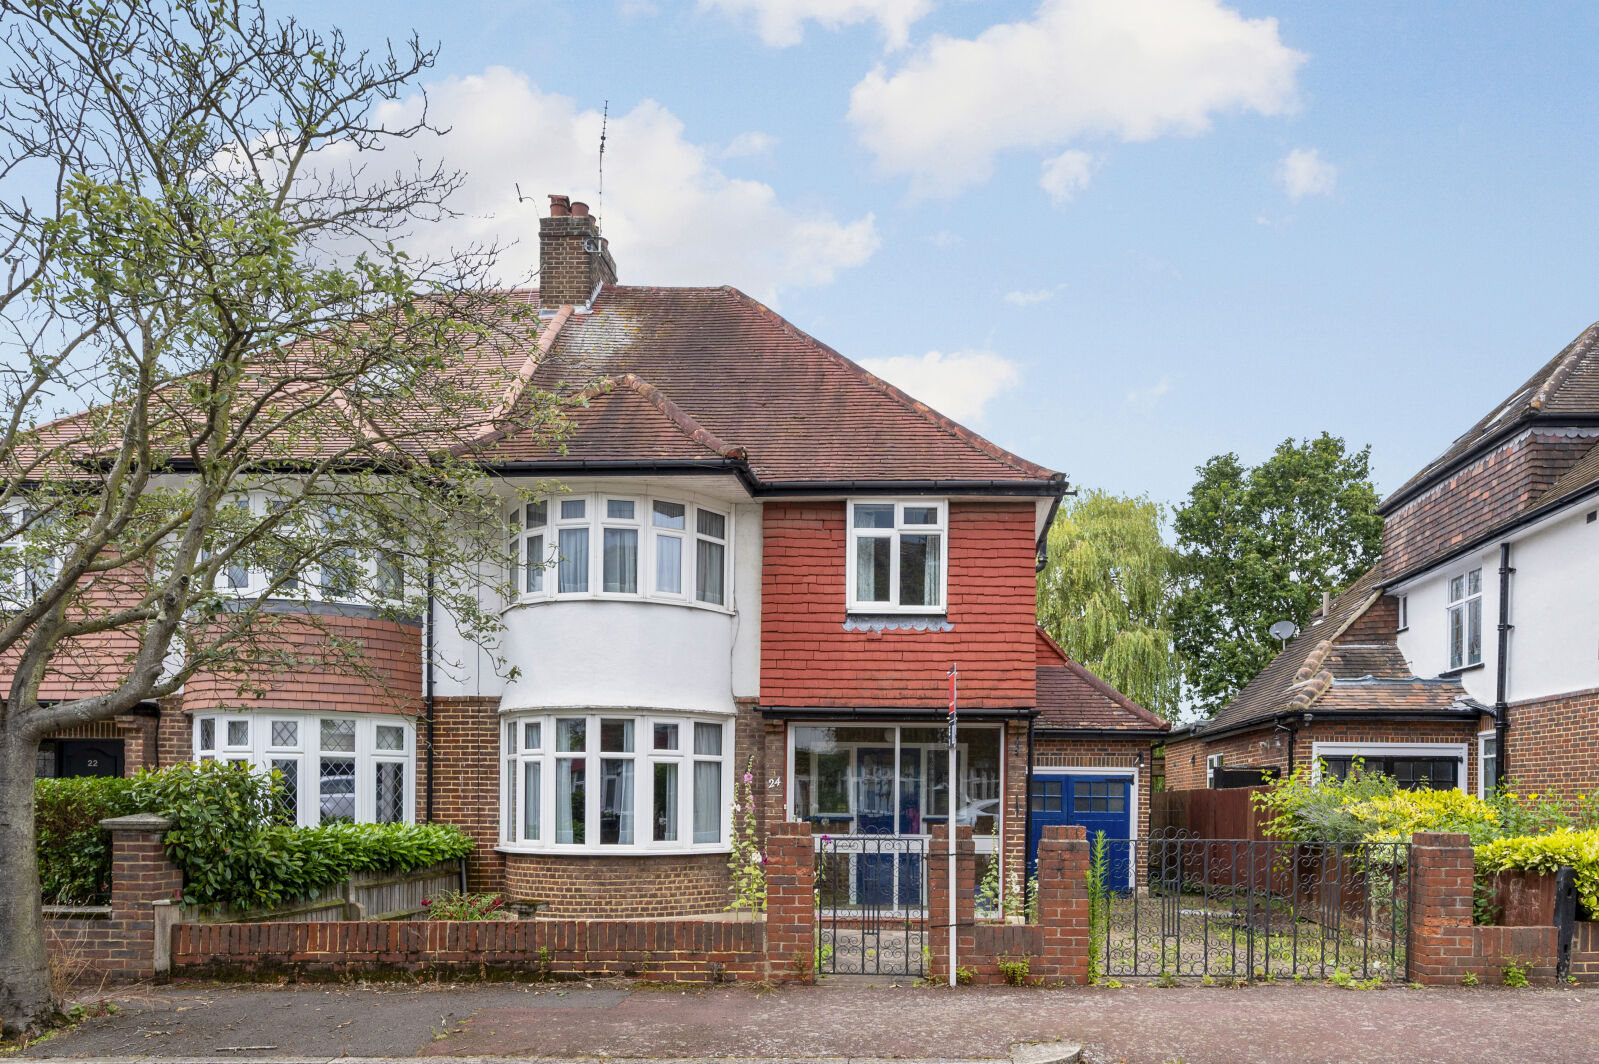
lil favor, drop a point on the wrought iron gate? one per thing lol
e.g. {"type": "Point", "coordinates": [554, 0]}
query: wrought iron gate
{"type": "Point", "coordinates": [871, 904]}
{"type": "Point", "coordinates": [1256, 909]}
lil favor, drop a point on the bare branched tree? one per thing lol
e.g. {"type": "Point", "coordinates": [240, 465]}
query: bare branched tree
{"type": "Point", "coordinates": [218, 361]}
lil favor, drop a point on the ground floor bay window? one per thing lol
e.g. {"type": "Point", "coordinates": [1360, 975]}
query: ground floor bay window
{"type": "Point", "coordinates": [614, 783]}
{"type": "Point", "coordinates": [350, 768]}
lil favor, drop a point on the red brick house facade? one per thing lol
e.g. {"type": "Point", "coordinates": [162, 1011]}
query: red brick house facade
{"type": "Point", "coordinates": [760, 566]}
{"type": "Point", "coordinates": [1466, 656]}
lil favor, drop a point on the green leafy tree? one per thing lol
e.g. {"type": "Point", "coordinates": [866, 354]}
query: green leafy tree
{"type": "Point", "coordinates": [1105, 595]}
{"type": "Point", "coordinates": [196, 251]}
{"type": "Point", "coordinates": [1260, 545]}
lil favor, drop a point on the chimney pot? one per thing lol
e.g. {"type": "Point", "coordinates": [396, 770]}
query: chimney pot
{"type": "Point", "coordinates": [560, 206]}
{"type": "Point", "coordinates": [580, 209]}
{"type": "Point", "coordinates": [1326, 603]}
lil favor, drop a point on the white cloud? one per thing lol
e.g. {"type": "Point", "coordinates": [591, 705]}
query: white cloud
{"type": "Point", "coordinates": [1303, 172]}
{"type": "Point", "coordinates": [958, 385]}
{"type": "Point", "coordinates": [672, 216]}
{"type": "Point", "coordinates": [781, 23]}
{"type": "Point", "coordinates": [946, 239]}
{"type": "Point", "coordinates": [1029, 297]}
{"type": "Point", "coordinates": [1132, 69]}
{"type": "Point", "coordinates": [1066, 175]}
{"type": "Point", "coordinates": [1144, 400]}
{"type": "Point", "coordinates": [746, 145]}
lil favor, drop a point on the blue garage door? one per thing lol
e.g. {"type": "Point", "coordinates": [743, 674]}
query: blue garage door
{"type": "Point", "coordinates": [1098, 803]}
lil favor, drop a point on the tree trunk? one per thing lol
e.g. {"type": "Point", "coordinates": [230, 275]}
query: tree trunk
{"type": "Point", "coordinates": [27, 1001]}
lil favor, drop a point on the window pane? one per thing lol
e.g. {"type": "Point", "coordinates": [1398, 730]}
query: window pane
{"type": "Point", "coordinates": [285, 733]}
{"type": "Point", "coordinates": [669, 515]}
{"type": "Point", "coordinates": [619, 509]}
{"type": "Point", "coordinates": [708, 577]}
{"type": "Point", "coordinates": [874, 515]}
{"type": "Point", "coordinates": [570, 734]}
{"type": "Point", "coordinates": [390, 792]}
{"type": "Point", "coordinates": [288, 796]}
{"type": "Point", "coordinates": [666, 736]}
{"type": "Point", "coordinates": [338, 790]}
{"type": "Point", "coordinates": [530, 800]}
{"type": "Point", "coordinates": [530, 736]}
{"type": "Point", "coordinates": [621, 561]}
{"type": "Point", "coordinates": [616, 801]}
{"type": "Point", "coordinates": [1457, 637]}
{"type": "Point", "coordinates": [669, 564]}
{"type": "Point", "coordinates": [510, 738]}
{"type": "Point", "coordinates": [979, 796]}
{"type": "Point", "coordinates": [665, 802]}
{"type": "Point", "coordinates": [574, 565]}
{"type": "Point", "coordinates": [1474, 582]}
{"type": "Point", "coordinates": [871, 568]}
{"type": "Point", "coordinates": [533, 568]}
{"type": "Point", "coordinates": [707, 799]}
{"type": "Point", "coordinates": [1474, 631]}
{"type": "Point", "coordinates": [391, 578]}
{"type": "Point", "coordinates": [538, 514]}
{"type": "Point", "coordinates": [616, 736]}
{"type": "Point", "coordinates": [921, 515]}
{"type": "Point", "coordinates": [573, 509]}
{"type": "Point", "coordinates": [708, 740]}
{"type": "Point", "coordinates": [208, 734]}
{"type": "Point", "coordinates": [238, 576]}
{"type": "Point", "coordinates": [389, 737]}
{"type": "Point", "coordinates": [919, 559]}
{"type": "Point", "coordinates": [1456, 589]}
{"type": "Point", "coordinates": [711, 523]}
{"type": "Point", "coordinates": [238, 733]}
{"type": "Point", "coordinates": [510, 801]}
{"type": "Point", "coordinates": [338, 735]}
{"type": "Point", "coordinates": [569, 799]}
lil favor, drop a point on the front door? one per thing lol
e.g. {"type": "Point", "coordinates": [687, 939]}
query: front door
{"type": "Point", "coordinates": [90, 757]}
{"type": "Point", "coordinates": [1100, 803]}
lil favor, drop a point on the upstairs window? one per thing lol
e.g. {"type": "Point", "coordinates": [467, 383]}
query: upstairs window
{"type": "Point", "coordinates": [1404, 612]}
{"type": "Point", "coordinates": [897, 552]}
{"type": "Point", "coordinates": [1465, 619]}
{"type": "Point", "coordinates": [619, 546]}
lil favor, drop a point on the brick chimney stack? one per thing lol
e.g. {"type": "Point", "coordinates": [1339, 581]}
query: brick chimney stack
{"type": "Point", "coordinates": [573, 258]}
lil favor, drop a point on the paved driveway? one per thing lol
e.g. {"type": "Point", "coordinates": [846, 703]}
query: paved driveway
{"type": "Point", "coordinates": [1139, 1025]}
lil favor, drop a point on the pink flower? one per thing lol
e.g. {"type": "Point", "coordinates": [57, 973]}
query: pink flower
{"type": "Point", "coordinates": [749, 778]}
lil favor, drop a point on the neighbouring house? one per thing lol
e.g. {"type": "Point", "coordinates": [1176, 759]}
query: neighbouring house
{"type": "Point", "coordinates": [760, 568]}
{"type": "Point", "coordinates": [1470, 653]}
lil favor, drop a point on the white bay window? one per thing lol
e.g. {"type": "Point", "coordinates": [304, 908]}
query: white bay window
{"type": "Point", "coordinates": [660, 783]}
{"type": "Point", "coordinates": [897, 555]}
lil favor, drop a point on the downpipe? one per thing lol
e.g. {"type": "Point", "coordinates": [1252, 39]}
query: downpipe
{"type": "Point", "coordinates": [1502, 671]}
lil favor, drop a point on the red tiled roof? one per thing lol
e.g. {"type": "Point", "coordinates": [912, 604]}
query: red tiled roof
{"type": "Point", "coordinates": [1072, 698]}
{"type": "Point", "coordinates": [800, 411]}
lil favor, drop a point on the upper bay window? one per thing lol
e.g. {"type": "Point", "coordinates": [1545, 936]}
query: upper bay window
{"type": "Point", "coordinates": [347, 570]}
{"type": "Point", "coordinates": [603, 782]}
{"type": "Point", "coordinates": [897, 556]}
{"type": "Point", "coordinates": [619, 546]}
{"type": "Point", "coordinates": [1465, 619]}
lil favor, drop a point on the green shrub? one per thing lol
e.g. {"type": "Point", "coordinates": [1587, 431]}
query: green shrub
{"type": "Point", "coordinates": [74, 851]}
{"type": "Point", "coordinates": [1546, 853]}
{"type": "Point", "coordinates": [453, 905]}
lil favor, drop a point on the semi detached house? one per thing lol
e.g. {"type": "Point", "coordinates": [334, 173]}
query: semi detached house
{"type": "Point", "coordinates": [762, 560]}
{"type": "Point", "coordinates": [1470, 653]}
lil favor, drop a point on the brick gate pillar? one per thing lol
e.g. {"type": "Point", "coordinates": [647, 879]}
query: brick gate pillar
{"type": "Point", "coordinates": [1063, 857]}
{"type": "Point", "coordinates": [144, 884]}
{"type": "Point", "coordinates": [790, 903]}
{"type": "Point", "coordinates": [1441, 940]}
{"type": "Point", "coordinates": [938, 888]}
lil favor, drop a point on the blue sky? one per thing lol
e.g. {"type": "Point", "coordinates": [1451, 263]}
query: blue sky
{"type": "Point", "coordinates": [1134, 234]}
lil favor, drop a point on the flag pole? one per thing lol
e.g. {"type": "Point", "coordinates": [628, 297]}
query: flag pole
{"type": "Point", "coordinates": [954, 680]}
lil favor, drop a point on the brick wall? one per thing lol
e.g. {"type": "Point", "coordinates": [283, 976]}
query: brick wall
{"type": "Point", "coordinates": [1554, 744]}
{"type": "Point", "coordinates": [634, 885]}
{"type": "Point", "coordinates": [466, 788]}
{"type": "Point", "coordinates": [808, 659]}
{"type": "Point", "coordinates": [123, 941]}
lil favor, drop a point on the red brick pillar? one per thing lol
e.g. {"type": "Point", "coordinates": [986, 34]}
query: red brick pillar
{"type": "Point", "coordinates": [1442, 943]}
{"type": "Point", "coordinates": [790, 903]}
{"type": "Point", "coordinates": [144, 883]}
{"type": "Point", "coordinates": [1063, 857]}
{"type": "Point", "coordinates": [938, 888]}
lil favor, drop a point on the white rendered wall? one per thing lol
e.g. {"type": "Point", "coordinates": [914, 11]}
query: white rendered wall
{"type": "Point", "coordinates": [1426, 643]}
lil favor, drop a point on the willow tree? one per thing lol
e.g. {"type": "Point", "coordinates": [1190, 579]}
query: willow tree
{"type": "Point", "coordinates": [1105, 595]}
{"type": "Point", "coordinates": [207, 278]}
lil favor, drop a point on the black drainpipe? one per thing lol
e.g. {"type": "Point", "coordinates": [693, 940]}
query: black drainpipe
{"type": "Point", "coordinates": [427, 680]}
{"type": "Point", "coordinates": [1027, 812]}
{"type": "Point", "coordinates": [1502, 667]}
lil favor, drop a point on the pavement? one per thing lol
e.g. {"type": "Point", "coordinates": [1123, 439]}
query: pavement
{"type": "Point", "coordinates": [1306, 1024]}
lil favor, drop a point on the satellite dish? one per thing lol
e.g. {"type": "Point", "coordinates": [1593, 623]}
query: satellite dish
{"type": "Point", "coordinates": [1283, 631]}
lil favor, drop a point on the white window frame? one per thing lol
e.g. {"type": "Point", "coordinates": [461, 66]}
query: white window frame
{"type": "Point", "coordinates": [260, 753]}
{"type": "Point", "coordinates": [1404, 613]}
{"type": "Point", "coordinates": [595, 521]}
{"type": "Point", "coordinates": [644, 756]}
{"type": "Point", "coordinates": [1486, 740]}
{"type": "Point", "coordinates": [20, 586]}
{"type": "Point", "coordinates": [1212, 763]}
{"type": "Point", "coordinates": [1438, 751]}
{"type": "Point", "coordinates": [1462, 605]}
{"type": "Point", "coordinates": [309, 581]}
{"type": "Point", "coordinates": [853, 535]}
